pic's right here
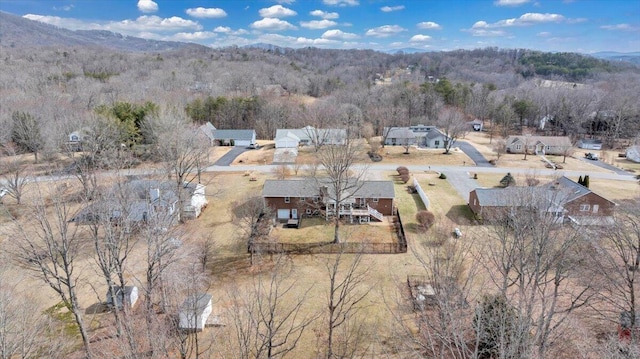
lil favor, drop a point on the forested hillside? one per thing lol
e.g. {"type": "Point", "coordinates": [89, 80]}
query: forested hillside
{"type": "Point", "coordinates": [61, 85]}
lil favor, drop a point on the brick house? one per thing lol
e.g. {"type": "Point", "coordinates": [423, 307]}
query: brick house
{"type": "Point", "coordinates": [291, 199]}
{"type": "Point", "coordinates": [564, 199]}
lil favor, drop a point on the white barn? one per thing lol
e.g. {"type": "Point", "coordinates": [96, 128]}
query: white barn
{"type": "Point", "coordinates": [195, 311]}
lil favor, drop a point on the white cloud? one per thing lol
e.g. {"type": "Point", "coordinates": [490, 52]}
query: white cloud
{"type": "Point", "coordinates": [391, 8]}
{"type": "Point", "coordinates": [620, 27]}
{"type": "Point", "coordinates": [193, 36]}
{"type": "Point", "coordinates": [318, 24]}
{"type": "Point", "coordinates": [429, 25]}
{"type": "Point", "coordinates": [201, 12]}
{"type": "Point", "coordinates": [272, 24]}
{"type": "Point", "coordinates": [276, 11]}
{"type": "Point", "coordinates": [543, 34]}
{"type": "Point", "coordinates": [385, 31]}
{"type": "Point", "coordinates": [229, 31]}
{"type": "Point", "coordinates": [486, 32]}
{"type": "Point", "coordinates": [64, 8]}
{"type": "Point", "coordinates": [324, 14]}
{"type": "Point", "coordinates": [420, 38]}
{"type": "Point", "coordinates": [524, 20]}
{"type": "Point", "coordinates": [288, 2]}
{"type": "Point", "coordinates": [510, 2]}
{"type": "Point", "coordinates": [341, 2]}
{"type": "Point", "coordinates": [141, 25]}
{"type": "Point", "coordinates": [147, 6]}
{"type": "Point", "coordinates": [339, 35]}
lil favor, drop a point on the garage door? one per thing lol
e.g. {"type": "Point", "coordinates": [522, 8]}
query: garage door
{"type": "Point", "coordinates": [283, 214]}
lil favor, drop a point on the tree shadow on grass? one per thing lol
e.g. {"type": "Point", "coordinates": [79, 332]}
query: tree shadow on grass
{"type": "Point", "coordinates": [460, 214]}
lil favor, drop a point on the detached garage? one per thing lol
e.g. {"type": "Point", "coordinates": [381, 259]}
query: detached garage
{"type": "Point", "coordinates": [286, 139]}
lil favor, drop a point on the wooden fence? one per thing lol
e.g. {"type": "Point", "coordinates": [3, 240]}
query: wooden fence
{"type": "Point", "coordinates": [329, 247]}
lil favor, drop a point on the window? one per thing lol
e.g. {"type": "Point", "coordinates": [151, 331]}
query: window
{"type": "Point", "coordinates": [585, 208]}
{"type": "Point", "coordinates": [595, 208]}
{"type": "Point", "coordinates": [287, 199]}
{"type": "Point", "coordinates": [74, 138]}
{"type": "Point", "coordinates": [315, 199]}
{"type": "Point", "coordinates": [308, 211]}
{"type": "Point", "coordinates": [518, 147]}
{"type": "Point", "coordinates": [303, 199]}
{"type": "Point", "coordinates": [437, 143]}
{"type": "Point", "coordinates": [548, 148]}
{"type": "Point", "coordinates": [375, 200]}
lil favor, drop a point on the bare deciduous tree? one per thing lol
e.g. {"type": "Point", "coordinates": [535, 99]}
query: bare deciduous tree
{"type": "Point", "coordinates": [347, 291]}
{"type": "Point", "coordinates": [47, 245]}
{"type": "Point", "coordinates": [453, 125]}
{"type": "Point", "coordinates": [342, 181]}
{"type": "Point", "coordinates": [14, 174]}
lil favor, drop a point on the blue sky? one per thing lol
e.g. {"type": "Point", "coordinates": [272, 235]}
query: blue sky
{"type": "Point", "coordinates": [549, 25]}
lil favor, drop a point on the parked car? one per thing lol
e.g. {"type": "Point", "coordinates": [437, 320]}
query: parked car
{"type": "Point", "coordinates": [591, 156]}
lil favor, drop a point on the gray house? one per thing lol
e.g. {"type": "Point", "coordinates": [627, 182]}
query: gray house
{"type": "Point", "coordinates": [130, 296]}
{"type": "Point", "coordinates": [539, 145]}
{"type": "Point", "coordinates": [589, 144]}
{"type": "Point", "coordinates": [243, 138]}
{"type": "Point", "coordinates": [421, 135]}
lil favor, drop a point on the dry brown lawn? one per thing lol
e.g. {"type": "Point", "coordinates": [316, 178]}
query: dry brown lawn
{"type": "Point", "coordinates": [423, 156]}
{"type": "Point", "coordinates": [318, 229]}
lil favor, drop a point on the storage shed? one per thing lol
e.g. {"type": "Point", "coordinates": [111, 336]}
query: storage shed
{"type": "Point", "coordinates": [194, 312]}
{"type": "Point", "coordinates": [130, 296]}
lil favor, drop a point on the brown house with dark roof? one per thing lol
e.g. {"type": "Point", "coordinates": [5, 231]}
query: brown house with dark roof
{"type": "Point", "coordinates": [565, 199]}
{"type": "Point", "coordinates": [291, 199]}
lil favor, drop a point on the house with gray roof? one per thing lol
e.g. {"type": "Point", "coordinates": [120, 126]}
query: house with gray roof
{"type": "Point", "coordinates": [633, 153]}
{"type": "Point", "coordinates": [308, 136]}
{"type": "Point", "coordinates": [420, 135]}
{"type": "Point", "coordinates": [243, 138]}
{"type": "Point", "coordinates": [139, 201]}
{"type": "Point", "coordinates": [539, 145]}
{"type": "Point", "coordinates": [360, 200]}
{"type": "Point", "coordinates": [208, 130]}
{"type": "Point", "coordinates": [562, 199]}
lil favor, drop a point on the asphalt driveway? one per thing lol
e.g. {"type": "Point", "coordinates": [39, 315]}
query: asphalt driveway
{"type": "Point", "coordinates": [606, 166]}
{"type": "Point", "coordinates": [228, 157]}
{"type": "Point", "coordinates": [474, 154]}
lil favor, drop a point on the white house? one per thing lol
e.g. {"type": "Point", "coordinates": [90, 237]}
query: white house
{"type": "Point", "coordinates": [633, 153]}
{"type": "Point", "coordinates": [294, 137]}
{"type": "Point", "coordinates": [130, 296]}
{"type": "Point", "coordinates": [421, 135]}
{"type": "Point", "coordinates": [195, 311]}
{"type": "Point", "coordinates": [286, 139]}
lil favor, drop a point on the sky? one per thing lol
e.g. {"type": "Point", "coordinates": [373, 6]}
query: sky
{"type": "Point", "coordinates": [584, 26]}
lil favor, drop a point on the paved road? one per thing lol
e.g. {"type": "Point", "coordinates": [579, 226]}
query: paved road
{"type": "Point", "coordinates": [606, 166]}
{"type": "Point", "coordinates": [474, 154]}
{"type": "Point", "coordinates": [230, 156]}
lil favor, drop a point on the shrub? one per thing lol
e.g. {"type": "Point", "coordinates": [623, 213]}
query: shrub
{"type": "Point", "coordinates": [401, 169]}
{"type": "Point", "coordinates": [442, 176]}
{"type": "Point", "coordinates": [425, 219]}
{"type": "Point", "coordinates": [508, 180]}
{"type": "Point", "coordinates": [404, 177]}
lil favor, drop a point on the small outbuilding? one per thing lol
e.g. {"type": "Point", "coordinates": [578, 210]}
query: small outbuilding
{"type": "Point", "coordinates": [130, 296]}
{"type": "Point", "coordinates": [195, 311]}
{"type": "Point", "coordinates": [590, 144]}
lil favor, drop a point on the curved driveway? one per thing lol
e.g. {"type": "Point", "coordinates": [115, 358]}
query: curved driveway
{"type": "Point", "coordinates": [606, 166]}
{"type": "Point", "coordinates": [228, 157]}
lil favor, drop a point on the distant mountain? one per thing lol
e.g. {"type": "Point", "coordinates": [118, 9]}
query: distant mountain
{"type": "Point", "coordinates": [16, 31]}
{"type": "Point", "coordinates": [406, 50]}
{"type": "Point", "coordinates": [264, 46]}
{"type": "Point", "coordinates": [632, 57]}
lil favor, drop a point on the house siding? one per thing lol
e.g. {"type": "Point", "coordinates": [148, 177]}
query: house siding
{"type": "Point", "coordinates": [605, 207]}
{"type": "Point", "coordinates": [384, 205]}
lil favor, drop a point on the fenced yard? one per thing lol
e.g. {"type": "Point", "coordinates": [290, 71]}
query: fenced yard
{"type": "Point", "coordinates": [315, 235]}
